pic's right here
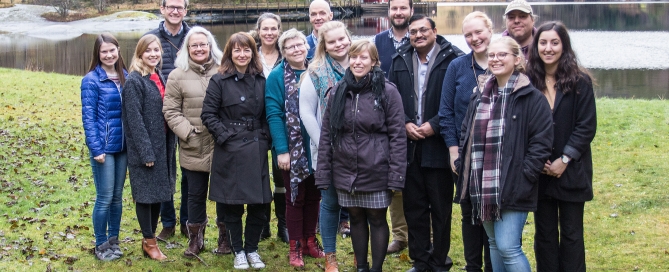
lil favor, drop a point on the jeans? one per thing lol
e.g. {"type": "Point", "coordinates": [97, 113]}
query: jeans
{"type": "Point", "coordinates": [168, 215]}
{"type": "Point", "coordinates": [505, 236]}
{"type": "Point", "coordinates": [329, 219]}
{"type": "Point", "coordinates": [109, 178]}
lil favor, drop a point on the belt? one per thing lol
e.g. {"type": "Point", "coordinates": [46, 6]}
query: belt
{"type": "Point", "coordinates": [248, 124]}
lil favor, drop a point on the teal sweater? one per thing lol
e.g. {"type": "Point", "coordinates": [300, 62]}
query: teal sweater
{"type": "Point", "coordinates": [275, 106]}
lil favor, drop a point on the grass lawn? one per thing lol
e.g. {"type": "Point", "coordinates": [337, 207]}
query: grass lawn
{"type": "Point", "coordinates": [47, 192]}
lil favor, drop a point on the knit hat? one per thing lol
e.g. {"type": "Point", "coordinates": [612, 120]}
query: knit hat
{"type": "Point", "coordinates": [521, 5]}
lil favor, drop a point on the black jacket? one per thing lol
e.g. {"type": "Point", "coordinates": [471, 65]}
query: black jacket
{"type": "Point", "coordinates": [371, 156]}
{"type": "Point", "coordinates": [575, 124]}
{"type": "Point", "coordinates": [233, 111]}
{"type": "Point", "coordinates": [434, 150]}
{"type": "Point", "coordinates": [169, 52]}
{"type": "Point", "coordinates": [528, 134]}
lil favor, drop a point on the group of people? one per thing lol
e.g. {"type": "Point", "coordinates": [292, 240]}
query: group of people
{"type": "Point", "coordinates": [404, 122]}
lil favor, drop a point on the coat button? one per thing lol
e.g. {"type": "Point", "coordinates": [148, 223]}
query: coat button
{"type": "Point", "coordinates": [243, 98]}
{"type": "Point", "coordinates": [514, 117]}
{"type": "Point", "coordinates": [245, 140]}
{"type": "Point", "coordinates": [255, 139]}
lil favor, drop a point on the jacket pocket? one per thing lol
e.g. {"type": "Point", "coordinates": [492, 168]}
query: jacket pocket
{"type": "Point", "coordinates": [574, 177]}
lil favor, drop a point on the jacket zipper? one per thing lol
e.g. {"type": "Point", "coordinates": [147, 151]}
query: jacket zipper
{"type": "Point", "coordinates": [355, 117]}
{"type": "Point", "coordinates": [122, 131]}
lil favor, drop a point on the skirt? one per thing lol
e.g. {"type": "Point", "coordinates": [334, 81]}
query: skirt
{"type": "Point", "coordinates": [368, 200]}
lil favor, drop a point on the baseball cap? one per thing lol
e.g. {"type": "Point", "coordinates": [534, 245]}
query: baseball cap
{"type": "Point", "coordinates": [521, 5]}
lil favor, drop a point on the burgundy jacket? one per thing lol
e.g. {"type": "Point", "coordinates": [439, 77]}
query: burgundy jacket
{"type": "Point", "coordinates": [372, 154]}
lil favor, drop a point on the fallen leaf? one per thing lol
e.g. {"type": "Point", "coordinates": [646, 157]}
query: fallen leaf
{"type": "Point", "coordinates": [404, 257]}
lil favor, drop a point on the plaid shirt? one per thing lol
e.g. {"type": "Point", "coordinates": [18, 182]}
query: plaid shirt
{"type": "Point", "coordinates": [397, 43]}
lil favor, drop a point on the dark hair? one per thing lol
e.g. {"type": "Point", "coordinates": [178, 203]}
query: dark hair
{"type": "Point", "coordinates": [119, 66]}
{"type": "Point", "coordinates": [417, 17]}
{"type": "Point", "coordinates": [568, 70]}
{"type": "Point", "coordinates": [410, 3]}
{"type": "Point", "coordinates": [241, 39]}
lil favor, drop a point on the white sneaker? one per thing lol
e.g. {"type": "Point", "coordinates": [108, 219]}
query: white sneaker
{"type": "Point", "coordinates": [240, 261]}
{"type": "Point", "coordinates": [254, 260]}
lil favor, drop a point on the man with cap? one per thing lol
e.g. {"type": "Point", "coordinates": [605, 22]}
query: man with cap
{"type": "Point", "coordinates": [520, 24]}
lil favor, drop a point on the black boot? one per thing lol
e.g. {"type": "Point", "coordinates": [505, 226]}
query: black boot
{"type": "Point", "coordinates": [280, 213]}
{"type": "Point", "coordinates": [266, 232]}
{"type": "Point", "coordinates": [363, 267]}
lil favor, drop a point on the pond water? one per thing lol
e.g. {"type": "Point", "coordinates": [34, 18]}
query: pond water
{"type": "Point", "coordinates": [624, 45]}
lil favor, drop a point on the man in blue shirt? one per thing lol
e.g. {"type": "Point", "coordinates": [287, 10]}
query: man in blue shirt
{"type": "Point", "coordinates": [319, 14]}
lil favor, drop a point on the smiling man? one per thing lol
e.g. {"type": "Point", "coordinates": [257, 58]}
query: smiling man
{"type": "Point", "coordinates": [388, 41]}
{"type": "Point", "coordinates": [520, 24]}
{"type": "Point", "coordinates": [319, 13]}
{"type": "Point", "coordinates": [418, 70]}
{"type": "Point", "coordinates": [171, 33]}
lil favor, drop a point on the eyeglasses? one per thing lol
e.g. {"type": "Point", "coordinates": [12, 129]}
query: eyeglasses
{"type": "Point", "coordinates": [500, 55]}
{"type": "Point", "coordinates": [298, 46]}
{"type": "Point", "coordinates": [202, 45]}
{"type": "Point", "coordinates": [173, 8]}
{"type": "Point", "coordinates": [422, 30]}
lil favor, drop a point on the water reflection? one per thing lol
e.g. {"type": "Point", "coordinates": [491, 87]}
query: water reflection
{"type": "Point", "coordinates": [73, 56]}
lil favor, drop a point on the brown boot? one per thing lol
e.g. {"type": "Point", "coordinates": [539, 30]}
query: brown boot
{"type": "Point", "coordinates": [195, 239]}
{"type": "Point", "coordinates": [313, 248]}
{"type": "Point", "coordinates": [331, 262]}
{"type": "Point", "coordinates": [151, 249]}
{"type": "Point", "coordinates": [183, 228]}
{"type": "Point", "coordinates": [223, 242]}
{"type": "Point", "coordinates": [165, 234]}
{"type": "Point", "coordinates": [396, 246]}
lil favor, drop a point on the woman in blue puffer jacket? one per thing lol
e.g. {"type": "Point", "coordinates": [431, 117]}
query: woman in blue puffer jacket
{"type": "Point", "coordinates": [101, 115]}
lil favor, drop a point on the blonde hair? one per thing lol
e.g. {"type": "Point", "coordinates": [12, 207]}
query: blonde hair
{"type": "Point", "coordinates": [137, 63]}
{"type": "Point", "coordinates": [360, 46]}
{"type": "Point", "coordinates": [514, 47]}
{"type": "Point", "coordinates": [479, 15]}
{"type": "Point", "coordinates": [291, 34]}
{"type": "Point", "coordinates": [320, 54]}
{"type": "Point", "coordinates": [214, 52]}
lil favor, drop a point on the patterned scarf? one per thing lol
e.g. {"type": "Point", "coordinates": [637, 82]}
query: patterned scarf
{"type": "Point", "coordinates": [486, 146]}
{"type": "Point", "coordinates": [324, 77]}
{"type": "Point", "coordinates": [299, 164]}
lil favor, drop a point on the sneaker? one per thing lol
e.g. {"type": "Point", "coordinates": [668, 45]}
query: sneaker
{"type": "Point", "coordinates": [254, 260]}
{"type": "Point", "coordinates": [240, 261]}
{"type": "Point", "coordinates": [104, 252]}
{"type": "Point", "coordinates": [115, 247]}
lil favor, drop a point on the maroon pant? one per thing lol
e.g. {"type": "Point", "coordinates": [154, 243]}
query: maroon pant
{"type": "Point", "coordinates": [302, 215]}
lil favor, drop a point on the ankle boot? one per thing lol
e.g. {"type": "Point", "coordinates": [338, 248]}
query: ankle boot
{"type": "Point", "coordinates": [150, 249]}
{"type": "Point", "coordinates": [280, 213]}
{"type": "Point", "coordinates": [165, 234]}
{"type": "Point", "coordinates": [266, 232]}
{"type": "Point", "coordinates": [296, 254]}
{"type": "Point", "coordinates": [363, 267]}
{"type": "Point", "coordinates": [195, 238]}
{"type": "Point", "coordinates": [223, 242]}
{"type": "Point", "coordinates": [331, 262]}
{"type": "Point", "coordinates": [313, 248]}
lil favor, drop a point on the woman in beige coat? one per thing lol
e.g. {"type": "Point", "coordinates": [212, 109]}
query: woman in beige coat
{"type": "Point", "coordinates": [186, 88]}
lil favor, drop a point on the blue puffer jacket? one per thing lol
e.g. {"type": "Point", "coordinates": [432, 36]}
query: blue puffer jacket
{"type": "Point", "coordinates": [101, 113]}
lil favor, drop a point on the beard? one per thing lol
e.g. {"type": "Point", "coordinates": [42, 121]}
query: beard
{"type": "Point", "coordinates": [399, 26]}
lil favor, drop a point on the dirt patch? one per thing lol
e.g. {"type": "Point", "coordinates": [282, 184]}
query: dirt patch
{"type": "Point", "coordinates": [73, 16]}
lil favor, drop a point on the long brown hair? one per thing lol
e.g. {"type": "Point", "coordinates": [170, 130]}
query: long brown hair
{"type": "Point", "coordinates": [119, 66]}
{"type": "Point", "coordinates": [137, 63]}
{"type": "Point", "coordinates": [241, 39]}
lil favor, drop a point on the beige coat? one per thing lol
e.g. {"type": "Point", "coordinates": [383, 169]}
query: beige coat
{"type": "Point", "coordinates": [182, 107]}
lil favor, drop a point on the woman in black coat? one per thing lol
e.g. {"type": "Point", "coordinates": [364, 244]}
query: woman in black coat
{"type": "Point", "coordinates": [566, 182]}
{"type": "Point", "coordinates": [234, 113]}
{"type": "Point", "coordinates": [151, 144]}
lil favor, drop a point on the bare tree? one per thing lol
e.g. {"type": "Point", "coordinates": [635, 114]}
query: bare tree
{"type": "Point", "coordinates": [62, 7]}
{"type": "Point", "coordinates": [100, 5]}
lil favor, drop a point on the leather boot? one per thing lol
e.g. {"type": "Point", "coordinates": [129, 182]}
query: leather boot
{"type": "Point", "coordinates": [165, 234]}
{"type": "Point", "coordinates": [184, 230]}
{"type": "Point", "coordinates": [363, 267]}
{"type": "Point", "coordinates": [313, 248]}
{"type": "Point", "coordinates": [195, 239]}
{"type": "Point", "coordinates": [223, 242]}
{"type": "Point", "coordinates": [296, 254]}
{"type": "Point", "coordinates": [266, 232]}
{"type": "Point", "coordinates": [280, 213]}
{"type": "Point", "coordinates": [150, 249]}
{"type": "Point", "coordinates": [331, 262]}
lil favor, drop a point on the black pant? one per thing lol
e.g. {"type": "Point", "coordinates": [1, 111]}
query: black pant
{"type": "Point", "coordinates": [147, 215]}
{"type": "Point", "coordinates": [279, 198]}
{"type": "Point", "coordinates": [232, 216]}
{"type": "Point", "coordinates": [474, 239]}
{"type": "Point", "coordinates": [428, 197]}
{"type": "Point", "coordinates": [198, 185]}
{"type": "Point", "coordinates": [563, 248]}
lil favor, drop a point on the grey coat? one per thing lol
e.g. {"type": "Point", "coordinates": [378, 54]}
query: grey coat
{"type": "Point", "coordinates": [148, 140]}
{"type": "Point", "coordinates": [234, 112]}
